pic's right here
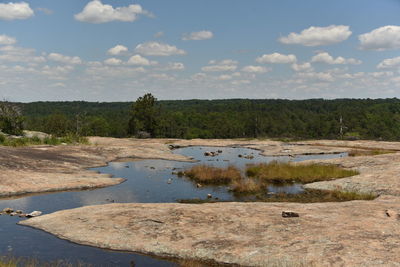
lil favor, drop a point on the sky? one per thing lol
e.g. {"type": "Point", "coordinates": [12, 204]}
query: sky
{"type": "Point", "coordinates": [92, 50]}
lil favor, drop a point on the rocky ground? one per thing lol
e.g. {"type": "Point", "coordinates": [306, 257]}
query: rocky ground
{"type": "Point", "coordinates": [356, 233]}
{"type": "Point", "coordinates": [39, 169]}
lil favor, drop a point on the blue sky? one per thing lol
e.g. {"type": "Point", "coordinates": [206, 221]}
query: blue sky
{"type": "Point", "coordinates": [185, 49]}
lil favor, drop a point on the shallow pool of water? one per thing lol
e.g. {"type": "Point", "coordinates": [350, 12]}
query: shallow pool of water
{"type": "Point", "coordinates": [148, 181]}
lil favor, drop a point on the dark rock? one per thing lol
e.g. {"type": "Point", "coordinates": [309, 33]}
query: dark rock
{"type": "Point", "coordinates": [289, 214]}
{"type": "Point", "coordinates": [8, 210]}
{"type": "Point", "coordinates": [34, 214]}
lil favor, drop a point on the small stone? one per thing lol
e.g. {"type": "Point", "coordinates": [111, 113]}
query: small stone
{"type": "Point", "coordinates": [240, 156]}
{"type": "Point", "coordinates": [207, 154]}
{"type": "Point", "coordinates": [392, 214]}
{"type": "Point", "coordinates": [219, 151]}
{"type": "Point", "coordinates": [8, 210]}
{"type": "Point", "coordinates": [34, 214]}
{"type": "Point", "coordinates": [198, 185]}
{"type": "Point", "coordinates": [13, 214]}
{"type": "Point", "coordinates": [289, 214]}
{"type": "Point", "coordinates": [209, 196]}
{"type": "Point", "coordinates": [18, 211]}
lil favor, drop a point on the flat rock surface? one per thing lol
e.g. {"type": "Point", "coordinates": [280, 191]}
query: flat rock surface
{"type": "Point", "coordinates": [356, 233]}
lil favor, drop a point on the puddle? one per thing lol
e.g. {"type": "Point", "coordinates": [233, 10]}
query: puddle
{"type": "Point", "coordinates": [148, 181]}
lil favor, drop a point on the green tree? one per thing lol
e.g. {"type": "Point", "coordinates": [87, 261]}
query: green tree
{"type": "Point", "coordinates": [11, 120]}
{"type": "Point", "coordinates": [58, 124]}
{"type": "Point", "coordinates": [144, 115]}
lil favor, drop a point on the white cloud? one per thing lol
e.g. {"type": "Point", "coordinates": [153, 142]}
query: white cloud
{"type": "Point", "coordinates": [223, 65]}
{"type": "Point", "coordinates": [11, 53]}
{"type": "Point", "coordinates": [7, 40]}
{"type": "Point", "coordinates": [324, 57]}
{"type": "Point", "coordinates": [255, 69]}
{"type": "Point", "coordinates": [158, 34]}
{"type": "Point", "coordinates": [12, 11]}
{"type": "Point", "coordinates": [201, 35]}
{"type": "Point", "coordinates": [117, 50]}
{"type": "Point", "coordinates": [277, 58]}
{"type": "Point", "coordinates": [139, 60]}
{"type": "Point", "coordinates": [174, 66]}
{"type": "Point", "coordinates": [320, 76]}
{"type": "Point", "coordinates": [162, 76]}
{"type": "Point", "coordinates": [61, 85]}
{"type": "Point", "coordinates": [305, 67]}
{"type": "Point", "coordinates": [389, 63]}
{"type": "Point", "coordinates": [64, 59]}
{"type": "Point", "coordinates": [383, 38]}
{"type": "Point", "coordinates": [240, 82]}
{"type": "Point", "coordinates": [315, 36]}
{"type": "Point", "coordinates": [97, 12]}
{"type": "Point", "coordinates": [224, 77]}
{"type": "Point", "coordinates": [158, 49]}
{"type": "Point", "coordinates": [113, 61]}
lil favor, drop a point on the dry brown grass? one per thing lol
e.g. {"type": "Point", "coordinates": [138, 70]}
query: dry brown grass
{"type": "Point", "coordinates": [213, 175]}
{"type": "Point", "coordinates": [369, 152]}
{"type": "Point", "coordinates": [247, 186]}
{"type": "Point", "coordinates": [283, 172]}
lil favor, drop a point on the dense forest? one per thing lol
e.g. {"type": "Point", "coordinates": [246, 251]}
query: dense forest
{"type": "Point", "coordinates": [233, 118]}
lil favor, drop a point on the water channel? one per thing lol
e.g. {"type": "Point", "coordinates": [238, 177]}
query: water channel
{"type": "Point", "coordinates": [148, 181]}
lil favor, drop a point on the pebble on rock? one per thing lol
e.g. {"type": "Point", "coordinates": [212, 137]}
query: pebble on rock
{"type": "Point", "coordinates": [34, 214]}
{"type": "Point", "coordinates": [289, 214]}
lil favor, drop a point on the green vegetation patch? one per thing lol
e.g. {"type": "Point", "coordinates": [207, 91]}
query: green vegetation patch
{"type": "Point", "coordinates": [314, 196]}
{"type": "Point", "coordinates": [29, 141]}
{"type": "Point", "coordinates": [308, 196]}
{"type": "Point", "coordinates": [283, 172]}
{"type": "Point", "coordinates": [210, 175]}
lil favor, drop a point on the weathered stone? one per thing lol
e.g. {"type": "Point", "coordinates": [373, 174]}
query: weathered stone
{"type": "Point", "coordinates": [355, 233]}
{"type": "Point", "coordinates": [8, 210]}
{"type": "Point", "coordinates": [289, 214]}
{"type": "Point", "coordinates": [34, 214]}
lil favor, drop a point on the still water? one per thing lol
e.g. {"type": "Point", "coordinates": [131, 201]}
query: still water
{"type": "Point", "coordinates": [148, 181]}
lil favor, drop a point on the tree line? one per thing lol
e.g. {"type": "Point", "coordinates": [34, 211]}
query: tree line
{"type": "Point", "coordinates": [231, 118]}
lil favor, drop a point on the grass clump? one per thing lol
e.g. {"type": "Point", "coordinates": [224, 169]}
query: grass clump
{"type": "Point", "coordinates": [314, 196]}
{"type": "Point", "coordinates": [283, 172]}
{"type": "Point", "coordinates": [369, 152]}
{"type": "Point", "coordinates": [247, 186]}
{"type": "Point", "coordinates": [29, 141]}
{"type": "Point", "coordinates": [11, 261]}
{"type": "Point", "coordinates": [210, 175]}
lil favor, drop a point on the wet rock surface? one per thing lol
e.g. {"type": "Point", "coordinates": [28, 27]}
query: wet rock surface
{"type": "Point", "coordinates": [39, 169]}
